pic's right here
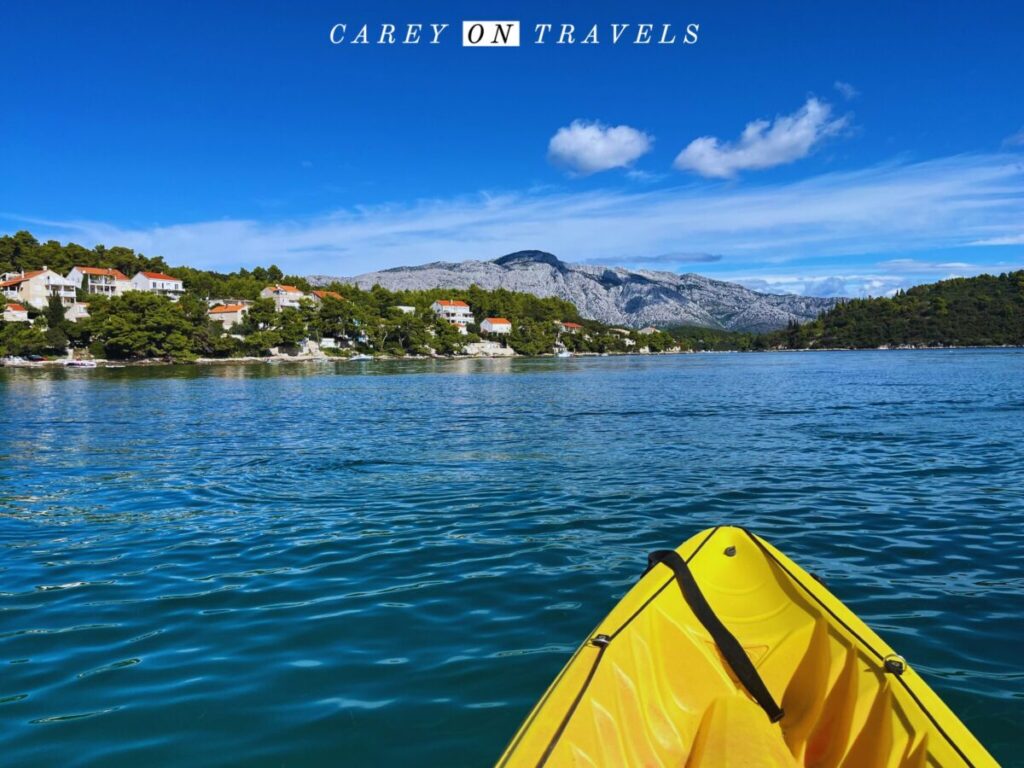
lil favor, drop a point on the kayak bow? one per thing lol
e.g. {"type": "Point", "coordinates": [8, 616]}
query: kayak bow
{"type": "Point", "coordinates": [726, 653]}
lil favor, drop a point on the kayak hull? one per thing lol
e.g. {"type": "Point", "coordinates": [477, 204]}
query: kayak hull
{"type": "Point", "coordinates": [651, 687]}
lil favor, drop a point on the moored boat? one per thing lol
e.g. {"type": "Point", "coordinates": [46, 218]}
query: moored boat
{"type": "Point", "coordinates": [726, 653]}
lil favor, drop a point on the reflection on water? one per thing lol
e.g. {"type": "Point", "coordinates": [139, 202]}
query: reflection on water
{"type": "Point", "coordinates": [366, 563]}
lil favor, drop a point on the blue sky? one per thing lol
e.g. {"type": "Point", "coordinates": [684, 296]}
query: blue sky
{"type": "Point", "coordinates": [814, 148]}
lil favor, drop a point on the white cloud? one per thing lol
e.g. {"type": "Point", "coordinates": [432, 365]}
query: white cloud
{"type": "Point", "coordinates": [763, 143]}
{"type": "Point", "coordinates": [588, 147]}
{"type": "Point", "coordinates": [831, 221]}
{"type": "Point", "coordinates": [1005, 240]}
{"type": "Point", "coordinates": [1015, 140]}
{"type": "Point", "coordinates": [846, 90]}
{"type": "Point", "coordinates": [645, 177]}
{"type": "Point", "coordinates": [847, 284]}
{"type": "Point", "coordinates": [883, 278]}
{"type": "Point", "coordinates": [916, 266]}
{"type": "Point", "coordinates": [661, 259]}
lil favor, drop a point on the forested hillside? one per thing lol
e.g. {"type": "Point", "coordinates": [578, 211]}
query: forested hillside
{"type": "Point", "coordinates": [977, 311]}
{"type": "Point", "coordinates": [142, 325]}
{"type": "Point", "coordinates": [970, 311]}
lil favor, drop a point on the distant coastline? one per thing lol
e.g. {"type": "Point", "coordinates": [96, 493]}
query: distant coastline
{"type": "Point", "coordinates": [64, 301]}
{"type": "Point", "coordinates": [59, 364]}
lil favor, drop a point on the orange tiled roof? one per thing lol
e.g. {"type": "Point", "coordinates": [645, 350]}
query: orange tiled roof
{"type": "Point", "coordinates": [227, 308]}
{"type": "Point", "coordinates": [286, 288]}
{"type": "Point", "coordinates": [15, 307]}
{"type": "Point", "coordinates": [456, 303]}
{"type": "Point", "coordinates": [571, 325]}
{"type": "Point", "coordinates": [498, 321]}
{"type": "Point", "coordinates": [21, 278]}
{"type": "Point", "coordinates": [160, 276]}
{"type": "Point", "coordinates": [326, 294]}
{"type": "Point", "coordinates": [114, 273]}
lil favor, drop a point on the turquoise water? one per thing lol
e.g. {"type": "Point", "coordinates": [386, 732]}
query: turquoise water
{"type": "Point", "coordinates": [370, 563]}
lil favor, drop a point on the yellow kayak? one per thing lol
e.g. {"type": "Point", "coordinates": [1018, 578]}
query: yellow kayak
{"type": "Point", "coordinates": [726, 653]}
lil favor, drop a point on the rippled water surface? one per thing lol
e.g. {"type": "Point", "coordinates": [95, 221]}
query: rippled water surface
{"type": "Point", "coordinates": [388, 562]}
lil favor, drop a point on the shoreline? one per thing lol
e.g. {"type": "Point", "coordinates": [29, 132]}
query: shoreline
{"type": "Point", "coordinates": [320, 359]}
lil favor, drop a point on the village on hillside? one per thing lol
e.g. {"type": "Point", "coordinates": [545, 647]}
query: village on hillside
{"type": "Point", "coordinates": [98, 312]}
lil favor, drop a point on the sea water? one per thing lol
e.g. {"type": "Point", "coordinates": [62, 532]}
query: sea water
{"type": "Point", "coordinates": [381, 563]}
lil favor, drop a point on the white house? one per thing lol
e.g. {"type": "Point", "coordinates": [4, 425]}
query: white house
{"type": "Point", "coordinates": [100, 280]}
{"type": "Point", "coordinates": [319, 296]}
{"type": "Point", "coordinates": [15, 313]}
{"type": "Point", "coordinates": [228, 314]}
{"type": "Point", "coordinates": [572, 328]}
{"type": "Point", "coordinates": [158, 282]}
{"type": "Point", "coordinates": [77, 311]}
{"type": "Point", "coordinates": [648, 330]}
{"type": "Point", "coordinates": [455, 312]}
{"type": "Point", "coordinates": [496, 325]}
{"type": "Point", "coordinates": [36, 287]}
{"type": "Point", "coordinates": [283, 296]}
{"type": "Point", "coordinates": [405, 309]}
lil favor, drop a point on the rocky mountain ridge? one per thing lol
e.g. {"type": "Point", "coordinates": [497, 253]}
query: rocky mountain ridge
{"type": "Point", "coordinates": [613, 295]}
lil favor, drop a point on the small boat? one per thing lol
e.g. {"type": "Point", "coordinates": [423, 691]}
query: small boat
{"type": "Point", "coordinates": [79, 363]}
{"type": "Point", "coordinates": [727, 653]}
{"type": "Point", "coordinates": [563, 353]}
{"type": "Point", "coordinates": [360, 358]}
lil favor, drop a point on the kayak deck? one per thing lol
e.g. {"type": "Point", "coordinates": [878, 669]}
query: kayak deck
{"type": "Point", "coordinates": [651, 687]}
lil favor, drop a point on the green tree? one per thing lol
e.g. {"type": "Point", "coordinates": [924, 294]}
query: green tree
{"type": "Point", "coordinates": [533, 337]}
{"type": "Point", "coordinates": [261, 342]}
{"type": "Point", "coordinates": [22, 339]}
{"type": "Point", "coordinates": [261, 316]}
{"type": "Point", "coordinates": [446, 339]}
{"type": "Point", "coordinates": [290, 326]}
{"type": "Point", "coordinates": [140, 325]}
{"type": "Point", "coordinates": [54, 312]}
{"type": "Point", "coordinates": [333, 318]}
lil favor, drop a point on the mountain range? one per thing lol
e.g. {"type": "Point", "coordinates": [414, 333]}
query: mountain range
{"type": "Point", "coordinates": [611, 295]}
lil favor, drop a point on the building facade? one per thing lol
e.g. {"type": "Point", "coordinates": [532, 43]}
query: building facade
{"type": "Point", "coordinates": [36, 287]}
{"type": "Point", "coordinates": [158, 282]}
{"type": "Point", "coordinates": [284, 296]}
{"type": "Point", "coordinates": [101, 281]}
{"type": "Point", "coordinates": [455, 312]}
{"type": "Point", "coordinates": [496, 325]}
{"type": "Point", "coordinates": [319, 296]}
{"type": "Point", "coordinates": [77, 311]}
{"type": "Point", "coordinates": [228, 314]}
{"type": "Point", "coordinates": [15, 313]}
